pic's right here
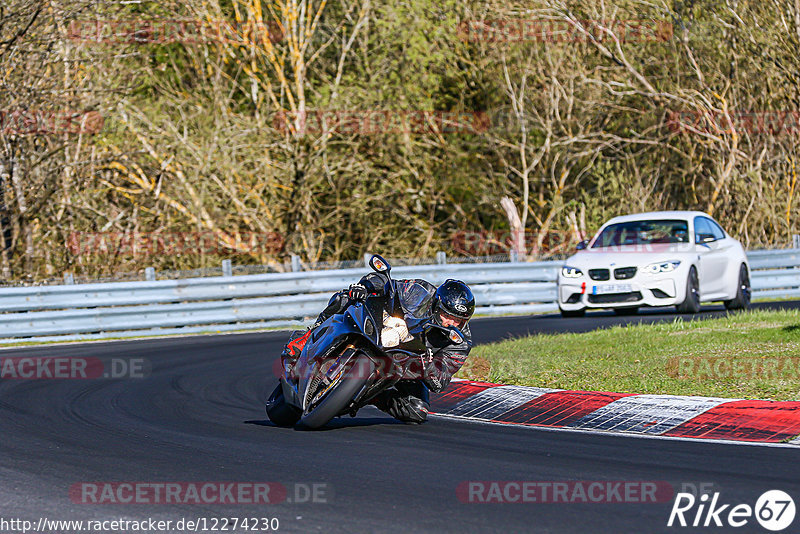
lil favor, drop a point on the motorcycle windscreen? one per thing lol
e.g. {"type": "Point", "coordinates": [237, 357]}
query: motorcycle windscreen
{"type": "Point", "coordinates": [415, 298]}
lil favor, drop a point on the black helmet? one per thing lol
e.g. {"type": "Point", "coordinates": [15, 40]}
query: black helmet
{"type": "Point", "coordinates": [453, 304]}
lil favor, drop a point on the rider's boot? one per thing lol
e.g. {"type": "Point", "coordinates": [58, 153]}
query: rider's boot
{"type": "Point", "coordinates": [293, 348]}
{"type": "Point", "coordinates": [407, 401]}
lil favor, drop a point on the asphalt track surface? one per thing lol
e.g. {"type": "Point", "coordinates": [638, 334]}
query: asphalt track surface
{"type": "Point", "coordinates": [199, 417]}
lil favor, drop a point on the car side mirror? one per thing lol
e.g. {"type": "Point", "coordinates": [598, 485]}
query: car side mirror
{"type": "Point", "coordinates": [582, 245]}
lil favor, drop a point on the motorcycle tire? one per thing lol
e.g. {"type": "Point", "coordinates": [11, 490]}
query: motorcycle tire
{"type": "Point", "coordinates": [279, 412]}
{"type": "Point", "coordinates": [341, 395]}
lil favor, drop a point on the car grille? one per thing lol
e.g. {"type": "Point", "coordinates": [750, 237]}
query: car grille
{"type": "Point", "coordinates": [599, 274]}
{"type": "Point", "coordinates": [615, 297]}
{"type": "Point", "coordinates": [624, 273]}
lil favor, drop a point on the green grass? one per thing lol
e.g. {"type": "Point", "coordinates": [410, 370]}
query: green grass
{"type": "Point", "coordinates": [674, 358]}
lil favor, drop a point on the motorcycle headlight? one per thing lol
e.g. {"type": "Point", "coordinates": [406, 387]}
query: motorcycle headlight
{"type": "Point", "coordinates": [661, 267]}
{"type": "Point", "coordinates": [571, 272]}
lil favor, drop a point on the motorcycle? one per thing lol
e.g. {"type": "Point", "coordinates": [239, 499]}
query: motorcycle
{"type": "Point", "coordinates": [355, 355]}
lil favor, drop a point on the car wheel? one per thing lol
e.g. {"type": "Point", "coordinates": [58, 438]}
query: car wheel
{"type": "Point", "coordinates": [633, 310]}
{"type": "Point", "coordinates": [573, 313]}
{"type": "Point", "coordinates": [743, 292]}
{"type": "Point", "coordinates": [691, 304]}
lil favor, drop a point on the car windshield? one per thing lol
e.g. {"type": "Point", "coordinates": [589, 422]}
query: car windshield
{"type": "Point", "coordinates": [414, 297]}
{"type": "Point", "coordinates": [643, 233]}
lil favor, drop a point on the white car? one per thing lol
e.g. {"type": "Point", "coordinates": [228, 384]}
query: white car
{"type": "Point", "coordinates": [664, 258]}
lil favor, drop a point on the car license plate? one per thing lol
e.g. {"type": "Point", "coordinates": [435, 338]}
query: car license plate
{"type": "Point", "coordinates": [611, 288]}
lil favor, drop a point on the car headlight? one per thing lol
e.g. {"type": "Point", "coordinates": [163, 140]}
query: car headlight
{"type": "Point", "coordinates": [571, 272]}
{"type": "Point", "coordinates": [661, 267]}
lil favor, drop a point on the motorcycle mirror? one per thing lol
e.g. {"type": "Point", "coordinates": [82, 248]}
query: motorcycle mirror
{"type": "Point", "coordinates": [379, 264]}
{"type": "Point", "coordinates": [451, 333]}
{"type": "Point", "coordinates": [456, 336]}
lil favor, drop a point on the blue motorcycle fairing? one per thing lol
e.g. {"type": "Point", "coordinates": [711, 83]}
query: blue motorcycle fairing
{"type": "Point", "coordinates": [360, 324]}
{"type": "Point", "coordinates": [335, 332]}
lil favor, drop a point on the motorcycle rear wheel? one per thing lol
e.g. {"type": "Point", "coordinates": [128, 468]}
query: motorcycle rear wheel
{"type": "Point", "coordinates": [279, 412]}
{"type": "Point", "coordinates": [341, 395]}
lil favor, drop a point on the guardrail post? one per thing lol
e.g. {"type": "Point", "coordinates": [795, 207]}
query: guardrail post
{"type": "Point", "coordinates": [227, 268]}
{"type": "Point", "coordinates": [367, 256]}
{"type": "Point", "coordinates": [150, 274]}
{"type": "Point", "coordinates": [441, 258]}
{"type": "Point", "coordinates": [796, 241]}
{"type": "Point", "coordinates": [513, 256]}
{"type": "Point", "coordinates": [68, 279]}
{"type": "Point", "coordinates": [296, 263]}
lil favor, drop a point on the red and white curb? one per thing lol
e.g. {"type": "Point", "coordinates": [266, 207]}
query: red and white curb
{"type": "Point", "coordinates": [660, 415]}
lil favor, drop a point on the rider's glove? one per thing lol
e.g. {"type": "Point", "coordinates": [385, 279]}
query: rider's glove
{"type": "Point", "coordinates": [357, 293]}
{"type": "Point", "coordinates": [433, 383]}
{"type": "Point", "coordinates": [429, 372]}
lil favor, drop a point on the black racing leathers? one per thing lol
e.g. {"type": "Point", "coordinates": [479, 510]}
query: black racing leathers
{"type": "Point", "coordinates": [408, 400]}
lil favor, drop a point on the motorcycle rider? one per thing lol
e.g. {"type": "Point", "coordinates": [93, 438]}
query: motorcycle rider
{"type": "Point", "coordinates": [452, 304]}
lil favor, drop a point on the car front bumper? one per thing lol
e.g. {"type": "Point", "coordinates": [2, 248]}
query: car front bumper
{"type": "Point", "coordinates": [641, 290]}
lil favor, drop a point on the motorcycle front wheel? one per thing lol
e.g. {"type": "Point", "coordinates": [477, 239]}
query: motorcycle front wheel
{"type": "Point", "coordinates": [341, 395]}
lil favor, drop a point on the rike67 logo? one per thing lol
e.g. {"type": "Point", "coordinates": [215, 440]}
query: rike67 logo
{"type": "Point", "coordinates": [774, 510]}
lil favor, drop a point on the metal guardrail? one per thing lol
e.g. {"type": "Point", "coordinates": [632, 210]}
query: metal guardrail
{"type": "Point", "coordinates": [245, 302]}
{"type": "Point", "coordinates": [775, 273]}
